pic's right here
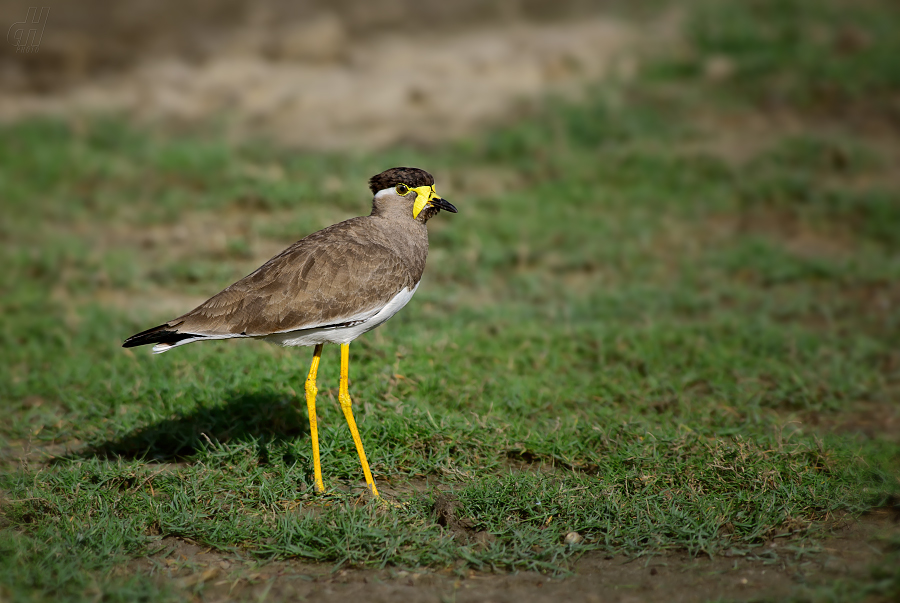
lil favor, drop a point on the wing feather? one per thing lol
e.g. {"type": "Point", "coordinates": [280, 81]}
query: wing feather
{"type": "Point", "coordinates": [331, 277]}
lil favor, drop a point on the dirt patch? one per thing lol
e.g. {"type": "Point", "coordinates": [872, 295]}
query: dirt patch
{"type": "Point", "coordinates": [324, 79]}
{"type": "Point", "coordinates": [446, 514]}
{"type": "Point", "coordinates": [90, 39]}
{"type": "Point", "coordinates": [23, 453]}
{"type": "Point", "coordinates": [774, 570]}
{"type": "Point", "coordinates": [868, 420]}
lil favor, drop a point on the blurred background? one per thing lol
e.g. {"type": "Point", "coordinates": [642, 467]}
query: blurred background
{"type": "Point", "coordinates": [313, 74]}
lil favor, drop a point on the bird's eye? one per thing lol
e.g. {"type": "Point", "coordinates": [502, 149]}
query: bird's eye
{"type": "Point", "coordinates": [402, 189]}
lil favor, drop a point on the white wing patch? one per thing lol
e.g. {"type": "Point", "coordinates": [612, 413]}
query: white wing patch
{"type": "Point", "coordinates": [159, 348]}
{"type": "Point", "coordinates": [347, 332]}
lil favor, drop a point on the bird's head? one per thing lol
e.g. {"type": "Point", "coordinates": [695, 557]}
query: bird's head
{"type": "Point", "coordinates": [409, 190]}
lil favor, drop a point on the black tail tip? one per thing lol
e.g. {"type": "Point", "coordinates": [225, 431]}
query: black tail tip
{"type": "Point", "coordinates": [160, 334]}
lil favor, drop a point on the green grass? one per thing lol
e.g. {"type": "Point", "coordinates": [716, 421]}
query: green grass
{"type": "Point", "coordinates": [828, 59]}
{"type": "Point", "coordinates": [620, 334]}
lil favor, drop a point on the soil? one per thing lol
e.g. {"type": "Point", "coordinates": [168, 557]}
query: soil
{"type": "Point", "coordinates": [775, 570]}
{"type": "Point", "coordinates": [335, 75]}
{"type": "Point", "coordinates": [671, 577]}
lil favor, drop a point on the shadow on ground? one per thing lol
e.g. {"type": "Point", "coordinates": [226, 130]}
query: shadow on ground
{"type": "Point", "coordinates": [264, 417]}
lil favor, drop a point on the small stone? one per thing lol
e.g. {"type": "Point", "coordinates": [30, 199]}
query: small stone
{"type": "Point", "coordinates": [573, 538]}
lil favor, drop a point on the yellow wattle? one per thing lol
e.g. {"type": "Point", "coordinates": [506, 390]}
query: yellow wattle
{"type": "Point", "coordinates": [423, 196]}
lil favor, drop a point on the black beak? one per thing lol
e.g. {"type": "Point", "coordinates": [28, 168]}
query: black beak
{"type": "Point", "coordinates": [444, 204]}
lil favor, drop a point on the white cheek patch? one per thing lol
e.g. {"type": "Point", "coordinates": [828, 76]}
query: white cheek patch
{"type": "Point", "coordinates": [386, 192]}
{"type": "Point", "coordinates": [423, 195]}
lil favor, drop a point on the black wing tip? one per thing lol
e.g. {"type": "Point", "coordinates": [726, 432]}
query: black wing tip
{"type": "Point", "coordinates": [160, 334]}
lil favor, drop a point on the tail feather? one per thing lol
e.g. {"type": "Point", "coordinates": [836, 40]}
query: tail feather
{"type": "Point", "coordinates": [163, 334]}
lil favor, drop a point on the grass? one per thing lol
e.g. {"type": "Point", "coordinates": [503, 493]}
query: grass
{"type": "Point", "coordinates": [622, 333]}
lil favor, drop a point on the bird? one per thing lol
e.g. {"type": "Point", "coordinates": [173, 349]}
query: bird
{"type": "Point", "coordinates": [329, 287]}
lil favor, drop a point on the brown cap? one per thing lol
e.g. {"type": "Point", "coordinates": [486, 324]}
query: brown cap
{"type": "Point", "coordinates": [411, 177]}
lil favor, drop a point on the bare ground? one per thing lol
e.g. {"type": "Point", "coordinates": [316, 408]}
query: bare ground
{"type": "Point", "coordinates": [325, 77]}
{"type": "Point", "coordinates": [849, 549]}
{"type": "Point", "coordinates": [772, 571]}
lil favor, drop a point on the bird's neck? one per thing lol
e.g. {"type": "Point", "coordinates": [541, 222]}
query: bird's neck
{"type": "Point", "coordinates": [405, 236]}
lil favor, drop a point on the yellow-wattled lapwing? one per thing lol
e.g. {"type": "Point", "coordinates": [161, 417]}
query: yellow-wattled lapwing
{"type": "Point", "coordinates": [329, 287]}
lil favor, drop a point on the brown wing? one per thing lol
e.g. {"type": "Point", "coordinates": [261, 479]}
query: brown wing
{"type": "Point", "coordinates": [331, 277]}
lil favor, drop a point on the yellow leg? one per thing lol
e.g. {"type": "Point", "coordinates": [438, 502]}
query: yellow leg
{"type": "Point", "coordinates": [311, 392]}
{"type": "Point", "coordinates": [344, 398]}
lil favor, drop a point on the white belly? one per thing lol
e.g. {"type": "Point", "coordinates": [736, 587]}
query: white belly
{"type": "Point", "coordinates": [315, 336]}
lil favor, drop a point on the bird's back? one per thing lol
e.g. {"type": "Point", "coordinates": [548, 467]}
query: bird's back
{"type": "Point", "coordinates": [343, 273]}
